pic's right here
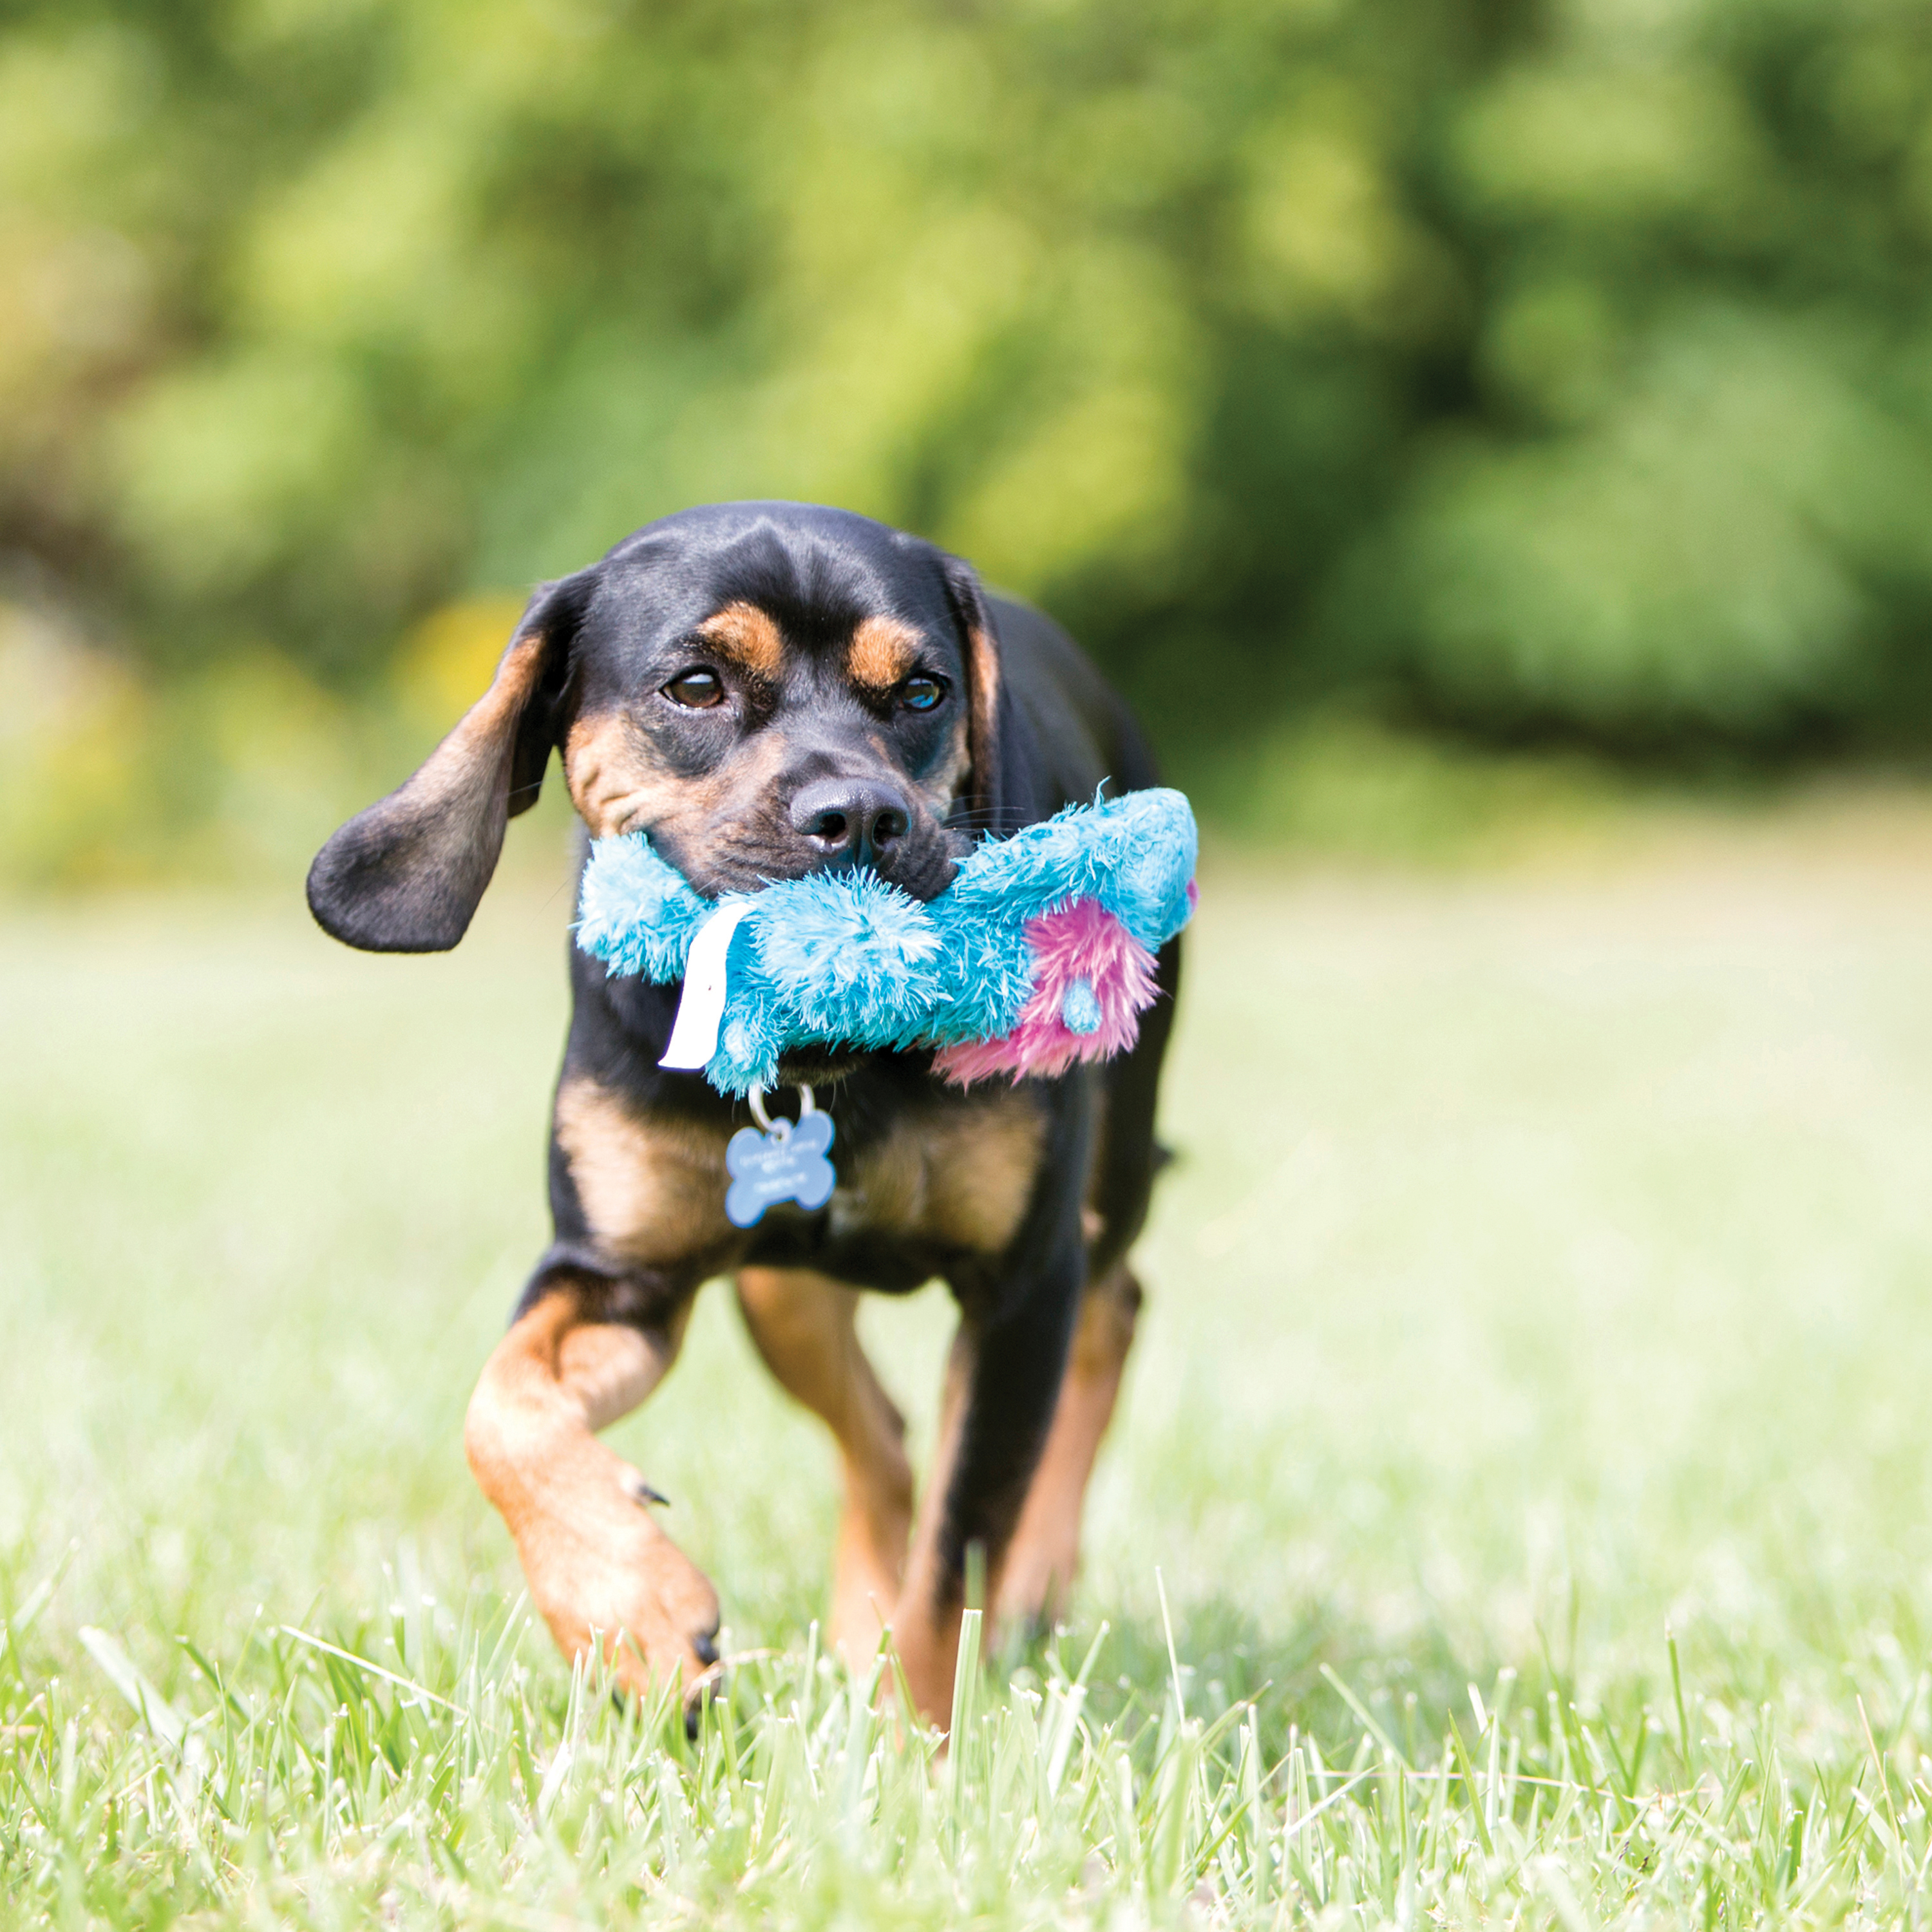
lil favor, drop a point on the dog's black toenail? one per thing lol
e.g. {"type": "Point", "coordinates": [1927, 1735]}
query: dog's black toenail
{"type": "Point", "coordinates": [640, 1492]}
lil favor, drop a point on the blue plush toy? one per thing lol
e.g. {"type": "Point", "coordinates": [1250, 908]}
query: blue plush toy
{"type": "Point", "coordinates": [1040, 953]}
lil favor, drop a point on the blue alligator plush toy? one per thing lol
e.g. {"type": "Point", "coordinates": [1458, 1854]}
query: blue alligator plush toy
{"type": "Point", "coordinates": [1039, 954]}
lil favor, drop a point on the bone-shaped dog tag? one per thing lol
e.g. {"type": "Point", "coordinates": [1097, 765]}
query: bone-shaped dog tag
{"type": "Point", "coordinates": [786, 1163]}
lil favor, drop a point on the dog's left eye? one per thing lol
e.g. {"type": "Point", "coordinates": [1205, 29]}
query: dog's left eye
{"type": "Point", "coordinates": [921, 693]}
{"type": "Point", "coordinates": [696, 690]}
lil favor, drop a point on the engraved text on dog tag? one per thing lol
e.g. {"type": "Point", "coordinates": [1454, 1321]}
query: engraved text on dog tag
{"type": "Point", "coordinates": [786, 1163]}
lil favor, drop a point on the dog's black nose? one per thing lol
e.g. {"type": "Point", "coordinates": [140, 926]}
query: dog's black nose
{"type": "Point", "coordinates": [852, 821]}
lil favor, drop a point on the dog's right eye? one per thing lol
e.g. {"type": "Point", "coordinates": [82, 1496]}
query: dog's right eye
{"type": "Point", "coordinates": [697, 690]}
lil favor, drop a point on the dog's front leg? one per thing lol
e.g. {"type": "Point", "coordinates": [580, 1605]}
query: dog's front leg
{"type": "Point", "coordinates": [1038, 1574]}
{"type": "Point", "coordinates": [1002, 1380]}
{"type": "Point", "coordinates": [600, 1570]}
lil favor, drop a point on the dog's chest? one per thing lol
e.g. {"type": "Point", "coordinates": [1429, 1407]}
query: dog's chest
{"type": "Point", "coordinates": [958, 1177]}
{"type": "Point", "coordinates": [955, 1177]}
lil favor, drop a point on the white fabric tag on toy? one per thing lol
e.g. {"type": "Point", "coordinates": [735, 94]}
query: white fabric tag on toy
{"type": "Point", "coordinates": [694, 1038]}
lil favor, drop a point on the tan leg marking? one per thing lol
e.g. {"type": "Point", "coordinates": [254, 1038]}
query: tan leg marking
{"type": "Point", "coordinates": [1045, 1552]}
{"type": "Point", "coordinates": [927, 1636]}
{"type": "Point", "coordinates": [804, 1326]}
{"type": "Point", "coordinates": [600, 1570]}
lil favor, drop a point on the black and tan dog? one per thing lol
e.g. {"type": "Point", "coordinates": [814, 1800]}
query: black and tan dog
{"type": "Point", "coordinates": [766, 689]}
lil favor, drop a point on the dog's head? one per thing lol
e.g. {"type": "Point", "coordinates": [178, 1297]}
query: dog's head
{"type": "Point", "coordinates": [765, 688]}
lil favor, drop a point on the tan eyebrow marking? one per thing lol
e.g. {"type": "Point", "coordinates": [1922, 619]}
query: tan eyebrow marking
{"type": "Point", "coordinates": [882, 651]}
{"type": "Point", "coordinates": [747, 636]}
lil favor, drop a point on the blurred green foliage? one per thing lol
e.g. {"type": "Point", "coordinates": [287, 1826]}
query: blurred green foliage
{"type": "Point", "coordinates": [1542, 366]}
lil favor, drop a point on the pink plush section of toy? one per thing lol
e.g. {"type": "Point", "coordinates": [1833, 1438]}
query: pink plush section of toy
{"type": "Point", "coordinates": [1092, 981]}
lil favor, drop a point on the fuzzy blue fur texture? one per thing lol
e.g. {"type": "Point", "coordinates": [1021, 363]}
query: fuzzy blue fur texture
{"type": "Point", "coordinates": [845, 957]}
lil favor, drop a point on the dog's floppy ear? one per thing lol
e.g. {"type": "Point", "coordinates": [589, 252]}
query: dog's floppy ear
{"type": "Point", "coordinates": [407, 875]}
{"type": "Point", "coordinates": [982, 800]}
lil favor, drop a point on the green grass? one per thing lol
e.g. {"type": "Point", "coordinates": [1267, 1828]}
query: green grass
{"type": "Point", "coordinates": [1529, 1433]}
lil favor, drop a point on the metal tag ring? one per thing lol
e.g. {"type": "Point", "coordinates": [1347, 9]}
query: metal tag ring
{"type": "Point", "coordinates": [806, 1105]}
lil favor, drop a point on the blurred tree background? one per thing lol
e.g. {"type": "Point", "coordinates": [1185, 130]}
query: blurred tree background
{"type": "Point", "coordinates": [1544, 370]}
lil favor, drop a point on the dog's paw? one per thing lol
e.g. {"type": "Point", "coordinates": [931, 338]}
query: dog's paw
{"type": "Point", "coordinates": [604, 1575]}
{"type": "Point", "coordinates": [1037, 1580]}
{"type": "Point", "coordinates": [927, 1646]}
{"type": "Point", "coordinates": [869, 1563]}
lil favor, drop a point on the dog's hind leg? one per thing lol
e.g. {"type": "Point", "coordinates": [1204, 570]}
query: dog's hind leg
{"type": "Point", "coordinates": [805, 1327]}
{"type": "Point", "coordinates": [600, 1571]}
{"type": "Point", "coordinates": [1045, 1552]}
